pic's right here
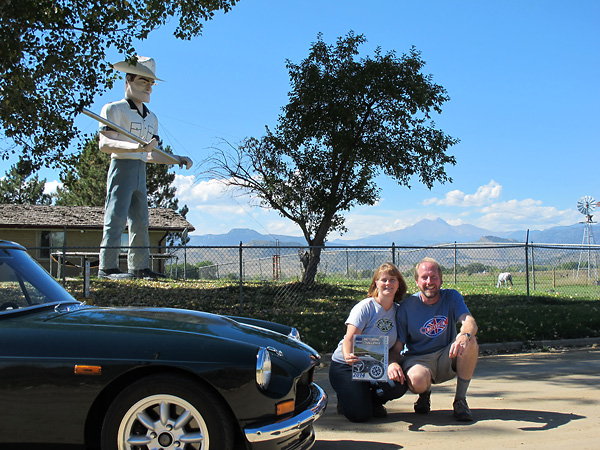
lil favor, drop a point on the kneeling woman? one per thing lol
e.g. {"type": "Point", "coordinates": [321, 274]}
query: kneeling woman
{"type": "Point", "coordinates": [375, 315]}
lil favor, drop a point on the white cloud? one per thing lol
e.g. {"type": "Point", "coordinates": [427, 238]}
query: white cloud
{"type": "Point", "coordinates": [215, 210]}
{"type": "Point", "coordinates": [219, 210]}
{"type": "Point", "coordinates": [191, 191]}
{"type": "Point", "coordinates": [283, 226]}
{"type": "Point", "coordinates": [51, 186]}
{"type": "Point", "coordinates": [482, 196]}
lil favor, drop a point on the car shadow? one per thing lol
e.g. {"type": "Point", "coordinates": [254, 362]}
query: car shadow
{"type": "Point", "coordinates": [41, 447]}
{"type": "Point", "coordinates": [354, 445]}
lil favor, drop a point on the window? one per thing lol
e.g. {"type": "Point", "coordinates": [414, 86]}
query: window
{"type": "Point", "coordinates": [50, 240]}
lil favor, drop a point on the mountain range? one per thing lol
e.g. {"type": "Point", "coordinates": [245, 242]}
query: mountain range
{"type": "Point", "coordinates": [426, 232]}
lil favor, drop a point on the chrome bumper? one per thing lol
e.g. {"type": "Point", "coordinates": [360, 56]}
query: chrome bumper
{"type": "Point", "coordinates": [292, 425]}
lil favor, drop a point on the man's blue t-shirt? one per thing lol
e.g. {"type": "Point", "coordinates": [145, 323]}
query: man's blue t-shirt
{"type": "Point", "coordinates": [425, 328]}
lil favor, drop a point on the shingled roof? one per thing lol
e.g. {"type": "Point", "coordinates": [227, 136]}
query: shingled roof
{"type": "Point", "coordinates": [80, 217]}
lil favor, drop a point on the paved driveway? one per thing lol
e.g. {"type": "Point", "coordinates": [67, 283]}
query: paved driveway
{"type": "Point", "coordinates": [528, 400]}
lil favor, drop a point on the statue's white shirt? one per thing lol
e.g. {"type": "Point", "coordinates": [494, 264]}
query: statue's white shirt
{"type": "Point", "coordinates": [125, 115]}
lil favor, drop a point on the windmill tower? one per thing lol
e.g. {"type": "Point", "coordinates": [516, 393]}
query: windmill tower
{"type": "Point", "coordinates": [586, 206]}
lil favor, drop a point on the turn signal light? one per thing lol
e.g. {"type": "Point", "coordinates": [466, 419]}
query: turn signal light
{"type": "Point", "coordinates": [88, 370]}
{"type": "Point", "coordinates": [285, 407]}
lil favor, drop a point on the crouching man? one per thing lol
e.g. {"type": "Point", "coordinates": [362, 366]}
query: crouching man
{"type": "Point", "coordinates": [435, 353]}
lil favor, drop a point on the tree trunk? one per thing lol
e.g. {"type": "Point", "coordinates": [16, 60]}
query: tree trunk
{"type": "Point", "coordinates": [314, 258]}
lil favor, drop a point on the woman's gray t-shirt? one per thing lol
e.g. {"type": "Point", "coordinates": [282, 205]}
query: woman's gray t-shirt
{"type": "Point", "coordinates": [372, 319]}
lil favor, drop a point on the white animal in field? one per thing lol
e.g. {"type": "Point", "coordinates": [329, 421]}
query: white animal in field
{"type": "Point", "coordinates": [504, 278]}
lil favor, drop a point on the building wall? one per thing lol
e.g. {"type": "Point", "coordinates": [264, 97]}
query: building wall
{"type": "Point", "coordinates": [27, 238]}
{"type": "Point", "coordinates": [78, 241]}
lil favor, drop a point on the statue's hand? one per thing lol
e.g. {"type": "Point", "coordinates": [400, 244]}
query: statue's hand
{"type": "Point", "coordinates": [149, 146]}
{"type": "Point", "coordinates": [184, 160]}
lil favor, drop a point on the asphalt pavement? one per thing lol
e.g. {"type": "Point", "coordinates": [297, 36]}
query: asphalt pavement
{"type": "Point", "coordinates": [546, 400]}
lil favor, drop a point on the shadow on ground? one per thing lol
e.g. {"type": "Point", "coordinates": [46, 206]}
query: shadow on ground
{"type": "Point", "coordinates": [354, 445]}
{"type": "Point", "coordinates": [537, 420]}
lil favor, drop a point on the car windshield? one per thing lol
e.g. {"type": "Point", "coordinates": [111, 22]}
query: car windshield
{"type": "Point", "coordinates": [24, 283]}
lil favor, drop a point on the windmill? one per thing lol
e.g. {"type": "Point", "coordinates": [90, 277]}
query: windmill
{"type": "Point", "coordinates": [586, 206]}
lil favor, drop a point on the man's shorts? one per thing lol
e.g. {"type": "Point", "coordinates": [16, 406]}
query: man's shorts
{"type": "Point", "coordinates": [439, 364]}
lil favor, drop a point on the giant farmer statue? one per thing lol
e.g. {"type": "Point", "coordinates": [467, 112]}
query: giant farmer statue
{"type": "Point", "coordinates": [126, 196]}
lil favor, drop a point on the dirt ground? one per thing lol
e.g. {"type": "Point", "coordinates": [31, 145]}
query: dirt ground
{"type": "Point", "coordinates": [527, 400]}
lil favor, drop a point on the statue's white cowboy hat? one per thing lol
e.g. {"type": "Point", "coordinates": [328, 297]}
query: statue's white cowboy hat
{"type": "Point", "coordinates": [145, 67]}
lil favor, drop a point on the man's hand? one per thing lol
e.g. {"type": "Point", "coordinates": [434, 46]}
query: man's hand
{"type": "Point", "coordinates": [459, 345]}
{"type": "Point", "coordinates": [395, 373]}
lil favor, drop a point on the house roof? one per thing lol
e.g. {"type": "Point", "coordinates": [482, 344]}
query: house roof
{"type": "Point", "coordinates": [80, 217]}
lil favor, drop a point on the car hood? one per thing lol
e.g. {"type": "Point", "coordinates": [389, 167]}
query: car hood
{"type": "Point", "coordinates": [194, 325]}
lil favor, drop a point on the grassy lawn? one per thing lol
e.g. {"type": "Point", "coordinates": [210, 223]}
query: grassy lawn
{"type": "Point", "coordinates": [503, 314]}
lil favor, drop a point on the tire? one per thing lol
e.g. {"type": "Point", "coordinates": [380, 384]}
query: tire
{"type": "Point", "coordinates": [376, 371]}
{"type": "Point", "coordinates": [167, 412]}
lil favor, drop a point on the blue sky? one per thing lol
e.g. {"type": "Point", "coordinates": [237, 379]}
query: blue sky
{"type": "Point", "coordinates": [522, 76]}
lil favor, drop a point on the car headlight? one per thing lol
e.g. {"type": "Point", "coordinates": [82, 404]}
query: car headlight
{"type": "Point", "coordinates": [263, 368]}
{"type": "Point", "coordinates": [294, 334]}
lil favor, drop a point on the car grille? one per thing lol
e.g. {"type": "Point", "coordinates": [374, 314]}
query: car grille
{"type": "Point", "coordinates": [303, 389]}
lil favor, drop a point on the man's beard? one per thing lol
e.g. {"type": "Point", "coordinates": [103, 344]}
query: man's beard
{"type": "Point", "coordinates": [431, 293]}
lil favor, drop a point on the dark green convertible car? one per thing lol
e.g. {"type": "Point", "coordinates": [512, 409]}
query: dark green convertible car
{"type": "Point", "coordinates": [145, 378]}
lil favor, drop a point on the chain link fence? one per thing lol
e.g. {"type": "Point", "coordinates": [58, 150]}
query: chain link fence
{"type": "Point", "coordinates": [533, 266]}
{"type": "Point", "coordinates": [565, 270]}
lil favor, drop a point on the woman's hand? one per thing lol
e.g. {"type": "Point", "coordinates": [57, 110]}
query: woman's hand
{"type": "Point", "coordinates": [351, 358]}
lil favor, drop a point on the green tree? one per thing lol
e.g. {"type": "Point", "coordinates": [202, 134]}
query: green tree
{"type": "Point", "coordinates": [159, 182]}
{"type": "Point", "coordinates": [53, 62]}
{"type": "Point", "coordinates": [84, 182]}
{"type": "Point", "coordinates": [347, 121]}
{"type": "Point", "coordinates": [20, 187]}
{"type": "Point", "coordinates": [162, 194]}
{"type": "Point", "coordinates": [476, 267]}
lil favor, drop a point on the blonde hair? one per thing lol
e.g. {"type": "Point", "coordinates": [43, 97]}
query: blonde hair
{"type": "Point", "coordinates": [393, 271]}
{"type": "Point", "coordinates": [427, 260]}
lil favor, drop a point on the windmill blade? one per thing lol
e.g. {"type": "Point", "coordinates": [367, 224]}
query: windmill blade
{"type": "Point", "coordinates": [586, 205]}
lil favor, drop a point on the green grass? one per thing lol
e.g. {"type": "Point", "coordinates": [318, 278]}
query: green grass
{"type": "Point", "coordinates": [503, 315]}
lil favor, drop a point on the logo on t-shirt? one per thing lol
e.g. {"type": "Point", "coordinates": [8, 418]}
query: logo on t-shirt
{"type": "Point", "coordinates": [385, 325]}
{"type": "Point", "coordinates": [435, 326]}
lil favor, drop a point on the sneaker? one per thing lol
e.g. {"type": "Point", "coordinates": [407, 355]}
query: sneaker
{"type": "Point", "coordinates": [114, 274]}
{"type": "Point", "coordinates": [423, 403]}
{"type": "Point", "coordinates": [462, 413]}
{"type": "Point", "coordinates": [379, 411]}
{"type": "Point", "coordinates": [146, 274]}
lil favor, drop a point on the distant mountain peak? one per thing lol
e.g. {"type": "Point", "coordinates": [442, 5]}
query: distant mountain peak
{"type": "Point", "coordinates": [425, 232]}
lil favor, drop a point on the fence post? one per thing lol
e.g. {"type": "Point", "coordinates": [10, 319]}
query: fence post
{"type": "Point", "coordinates": [184, 262]}
{"type": "Point", "coordinates": [532, 267]}
{"type": "Point", "coordinates": [86, 278]}
{"type": "Point", "coordinates": [241, 278]}
{"type": "Point", "coordinates": [64, 256]}
{"type": "Point", "coordinates": [347, 265]}
{"type": "Point", "coordinates": [527, 262]}
{"type": "Point", "coordinates": [454, 263]}
{"type": "Point", "coordinates": [394, 253]}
